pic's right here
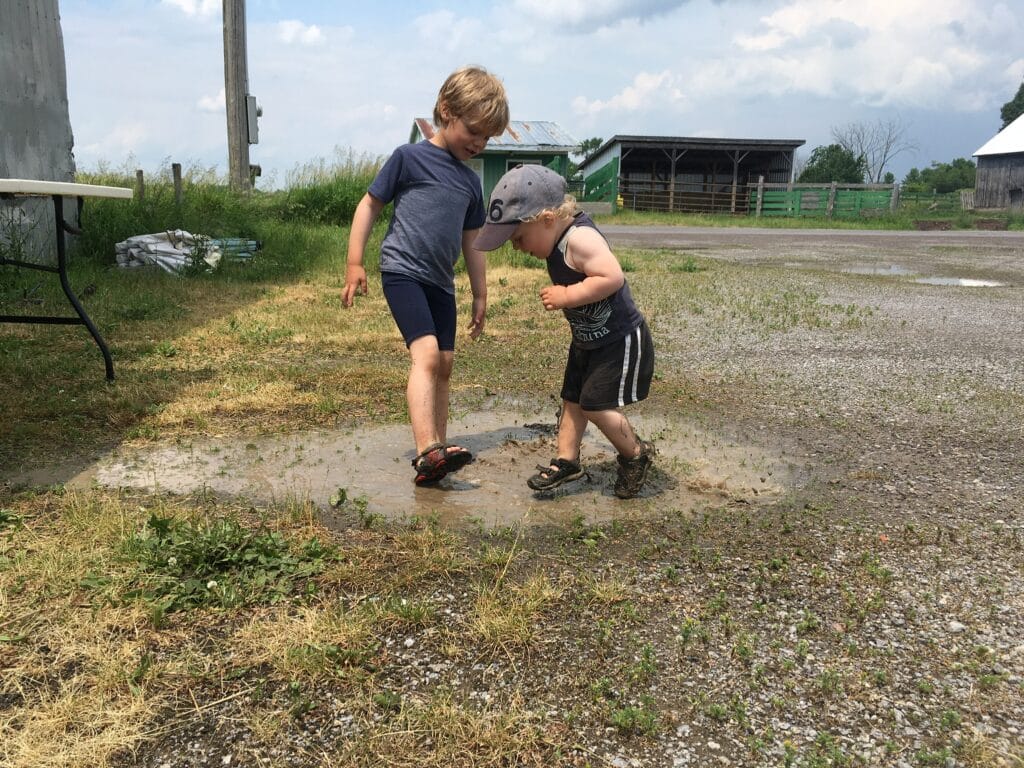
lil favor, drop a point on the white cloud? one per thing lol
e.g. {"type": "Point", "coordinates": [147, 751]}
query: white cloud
{"type": "Point", "coordinates": [292, 31]}
{"type": "Point", "coordinates": [912, 53]}
{"type": "Point", "coordinates": [447, 31]}
{"type": "Point", "coordinates": [589, 14]}
{"type": "Point", "coordinates": [201, 8]}
{"type": "Point", "coordinates": [1014, 73]}
{"type": "Point", "coordinates": [213, 103]}
{"type": "Point", "coordinates": [647, 89]}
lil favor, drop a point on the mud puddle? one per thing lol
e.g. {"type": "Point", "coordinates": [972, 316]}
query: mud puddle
{"type": "Point", "coordinates": [368, 472]}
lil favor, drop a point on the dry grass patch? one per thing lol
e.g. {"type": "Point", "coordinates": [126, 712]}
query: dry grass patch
{"type": "Point", "coordinates": [75, 725]}
{"type": "Point", "coordinates": [443, 734]}
{"type": "Point", "coordinates": [311, 644]}
{"type": "Point", "coordinates": [505, 617]}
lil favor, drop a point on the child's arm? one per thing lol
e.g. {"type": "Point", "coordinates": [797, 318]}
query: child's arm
{"type": "Point", "coordinates": [476, 268]}
{"type": "Point", "coordinates": [367, 211]}
{"type": "Point", "coordinates": [586, 252]}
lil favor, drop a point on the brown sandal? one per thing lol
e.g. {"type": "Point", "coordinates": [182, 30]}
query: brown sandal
{"type": "Point", "coordinates": [438, 460]}
{"type": "Point", "coordinates": [559, 471]}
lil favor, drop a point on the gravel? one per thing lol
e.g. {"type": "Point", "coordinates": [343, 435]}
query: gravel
{"type": "Point", "coordinates": [872, 617]}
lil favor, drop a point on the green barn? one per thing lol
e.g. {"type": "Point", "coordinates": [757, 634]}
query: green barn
{"type": "Point", "coordinates": [692, 174]}
{"type": "Point", "coordinates": [523, 142]}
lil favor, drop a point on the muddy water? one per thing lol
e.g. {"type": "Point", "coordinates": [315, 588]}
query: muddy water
{"type": "Point", "coordinates": [371, 469]}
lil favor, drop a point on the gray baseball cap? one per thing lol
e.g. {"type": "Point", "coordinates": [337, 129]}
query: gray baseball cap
{"type": "Point", "coordinates": [523, 192]}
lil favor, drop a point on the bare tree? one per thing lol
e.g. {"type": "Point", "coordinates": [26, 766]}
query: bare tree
{"type": "Point", "coordinates": [878, 143]}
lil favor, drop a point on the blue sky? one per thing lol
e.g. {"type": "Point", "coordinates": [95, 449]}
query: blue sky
{"type": "Point", "coordinates": [146, 77]}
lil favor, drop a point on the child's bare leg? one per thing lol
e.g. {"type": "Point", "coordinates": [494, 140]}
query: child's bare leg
{"type": "Point", "coordinates": [571, 427]}
{"type": "Point", "coordinates": [616, 427]}
{"type": "Point", "coordinates": [441, 394]}
{"type": "Point", "coordinates": [422, 391]}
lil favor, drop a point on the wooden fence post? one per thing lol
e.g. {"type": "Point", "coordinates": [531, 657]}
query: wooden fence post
{"type": "Point", "coordinates": [831, 200]}
{"type": "Point", "coordinates": [140, 185]}
{"type": "Point", "coordinates": [760, 196]}
{"type": "Point", "coordinates": [176, 173]}
{"type": "Point", "coordinates": [894, 201]}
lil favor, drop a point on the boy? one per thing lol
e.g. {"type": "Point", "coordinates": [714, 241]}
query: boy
{"type": "Point", "coordinates": [438, 212]}
{"type": "Point", "coordinates": [611, 357]}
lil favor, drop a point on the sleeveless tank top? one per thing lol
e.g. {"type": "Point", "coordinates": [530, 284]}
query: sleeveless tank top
{"type": "Point", "coordinates": [602, 322]}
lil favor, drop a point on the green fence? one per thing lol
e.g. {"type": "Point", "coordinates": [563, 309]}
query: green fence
{"type": "Point", "coordinates": [602, 185]}
{"type": "Point", "coordinates": [818, 200]}
{"type": "Point", "coordinates": [933, 202]}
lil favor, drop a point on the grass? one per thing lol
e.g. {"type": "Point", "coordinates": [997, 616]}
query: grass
{"type": "Point", "coordinates": [904, 218]}
{"type": "Point", "coordinates": [130, 622]}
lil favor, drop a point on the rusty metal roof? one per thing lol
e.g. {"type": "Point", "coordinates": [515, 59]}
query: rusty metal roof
{"type": "Point", "coordinates": [521, 135]}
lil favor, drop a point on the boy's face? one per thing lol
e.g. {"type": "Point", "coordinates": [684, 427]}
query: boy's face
{"type": "Point", "coordinates": [463, 138]}
{"type": "Point", "coordinates": [537, 237]}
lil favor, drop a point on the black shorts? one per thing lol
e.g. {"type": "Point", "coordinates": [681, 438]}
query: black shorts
{"type": "Point", "coordinates": [611, 376]}
{"type": "Point", "coordinates": [420, 309]}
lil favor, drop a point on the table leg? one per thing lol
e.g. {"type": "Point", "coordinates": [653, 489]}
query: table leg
{"type": "Point", "coordinates": [62, 264]}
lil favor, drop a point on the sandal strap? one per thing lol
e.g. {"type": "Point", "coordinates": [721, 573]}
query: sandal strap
{"type": "Point", "coordinates": [560, 465]}
{"type": "Point", "coordinates": [426, 451]}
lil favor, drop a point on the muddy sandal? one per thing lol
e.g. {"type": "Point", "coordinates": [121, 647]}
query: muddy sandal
{"type": "Point", "coordinates": [437, 461]}
{"type": "Point", "coordinates": [557, 472]}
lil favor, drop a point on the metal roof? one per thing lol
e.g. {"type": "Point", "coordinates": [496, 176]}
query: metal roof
{"type": "Point", "coordinates": [693, 142]}
{"type": "Point", "coordinates": [1008, 141]}
{"type": "Point", "coordinates": [521, 135]}
{"type": "Point", "coordinates": [703, 142]}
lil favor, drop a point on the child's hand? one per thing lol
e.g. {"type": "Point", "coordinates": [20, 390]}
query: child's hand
{"type": "Point", "coordinates": [554, 297]}
{"type": "Point", "coordinates": [355, 281]}
{"type": "Point", "coordinates": [476, 323]}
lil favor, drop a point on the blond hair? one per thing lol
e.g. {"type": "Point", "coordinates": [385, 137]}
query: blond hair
{"type": "Point", "coordinates": [477, 97]}
{"type": "Point", "coordinates": [566, 210]}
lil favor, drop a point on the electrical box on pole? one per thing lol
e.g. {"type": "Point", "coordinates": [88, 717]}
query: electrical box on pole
{"type": "Point", "coordinates": [253, 112]}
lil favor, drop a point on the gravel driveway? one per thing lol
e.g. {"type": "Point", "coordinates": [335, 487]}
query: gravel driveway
{"type": "Point", "coordinates": [874, 617]}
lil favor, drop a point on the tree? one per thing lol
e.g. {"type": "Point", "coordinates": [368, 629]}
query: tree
{"type": "Point", "coordinates": [1014, 108]}
{"type": "Point", "coordinates": [942, 177]}
{"type": "Point", "coordinates": [833, 163]}
{"type": "Point", "coordinates": [878, 143]}
{"type": "Point", "coordinates": [585, 150]}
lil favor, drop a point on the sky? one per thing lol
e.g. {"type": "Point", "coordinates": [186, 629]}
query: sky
{"type": "Point", "coordinates": [342, 81]}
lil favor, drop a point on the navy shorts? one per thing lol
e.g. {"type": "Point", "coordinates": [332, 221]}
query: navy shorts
{"type": "Point", "coordinates": [420, 309]}
{"type": "Point", "coordinates": [611, 376]}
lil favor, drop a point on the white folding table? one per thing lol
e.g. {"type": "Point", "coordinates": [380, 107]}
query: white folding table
{"type": "Point", "coordinates": [57, 191]}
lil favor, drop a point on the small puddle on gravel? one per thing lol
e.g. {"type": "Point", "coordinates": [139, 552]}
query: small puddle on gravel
{"type": "Point", "coordinates": [895, 270]}
{"type": "Point", "coordinates": [963, 282]}
{"type": "Point", "coordinates": [882, 270]}
{"type": "Point", "coordinates": [694, 468]}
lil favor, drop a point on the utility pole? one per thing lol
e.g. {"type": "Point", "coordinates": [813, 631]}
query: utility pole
{"type": "Point", "coordinates": [236, 89]}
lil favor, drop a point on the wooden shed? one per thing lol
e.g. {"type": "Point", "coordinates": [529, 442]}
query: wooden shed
{"type": "Point", "coordinates": [523, 142]}
{"type": "Point", "coordinates": [693, 174]}
{"type": "Point", "coordinates": [1000, 178]}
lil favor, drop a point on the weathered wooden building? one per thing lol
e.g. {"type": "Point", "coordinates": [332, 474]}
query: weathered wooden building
{"type": "Point", "coordinates": [35, 129]}
{"type": "Point", "coordinates": [693, 174]}
{"type": "Point", "coordinates": [523, 142]}
{"type": "Point", "coordinates": [1000, 178]}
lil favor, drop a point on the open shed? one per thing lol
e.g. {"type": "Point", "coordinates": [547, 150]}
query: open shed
{"type": "Point", "coordinates": [1000, 179]}
{"type": "Point", "coordinates": [692, 174]}
{"type": "Point", "coordinates": [523, 142]}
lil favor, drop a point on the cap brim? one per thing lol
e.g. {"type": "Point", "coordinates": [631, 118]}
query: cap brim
{"type": "Point", "coordinates": [493, 235]}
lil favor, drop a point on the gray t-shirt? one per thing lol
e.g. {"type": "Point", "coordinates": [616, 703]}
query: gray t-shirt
{"type": "Point", "coordinates": [436, 198]}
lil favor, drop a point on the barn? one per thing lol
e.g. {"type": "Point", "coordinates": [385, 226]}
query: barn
{"type": "Point", "coordinates": [693, 174]}
{"type": "Point", "coordinates": [523, 142]}
{"type": "Point", "coordinates": [1000, 178]}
